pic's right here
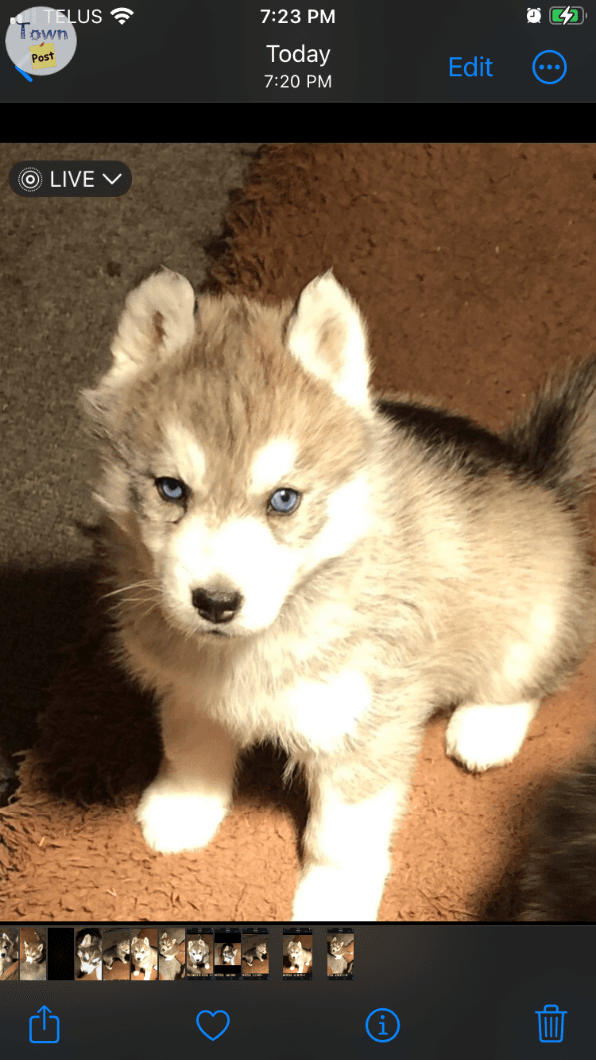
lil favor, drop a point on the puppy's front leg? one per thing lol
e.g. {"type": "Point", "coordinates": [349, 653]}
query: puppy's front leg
{"type": "Point", "coordinates": [184, 806]}
{"type": "Point", "coordinates": [347, 852]}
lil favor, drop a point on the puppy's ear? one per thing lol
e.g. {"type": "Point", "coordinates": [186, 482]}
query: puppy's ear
{"type": "Point", "coordinates": [158, 319]}
{"type": "Point", "coordinates": [327, 335]}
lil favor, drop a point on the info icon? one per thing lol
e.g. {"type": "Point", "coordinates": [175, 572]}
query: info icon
{"type": "Point", "coordinates": [382, 1025]}
{"type": "Point", "coordinates": [549, 67]}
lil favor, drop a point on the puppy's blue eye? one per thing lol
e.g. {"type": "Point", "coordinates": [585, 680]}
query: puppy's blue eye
{"type": "Point", "coordinates": [284, 501]}
{"type": "Point", "coordinates": [171, 489]}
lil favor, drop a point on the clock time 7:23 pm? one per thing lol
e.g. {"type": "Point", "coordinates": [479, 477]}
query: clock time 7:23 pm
{"type": "Point", "coordinates": [283, 15]}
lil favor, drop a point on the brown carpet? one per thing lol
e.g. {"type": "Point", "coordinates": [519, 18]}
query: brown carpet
{"type": "Point", "coordinates": [472, 266]}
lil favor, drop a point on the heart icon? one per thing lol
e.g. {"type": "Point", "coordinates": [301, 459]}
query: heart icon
{"type": "Point", "coordinates": [211, 1016]}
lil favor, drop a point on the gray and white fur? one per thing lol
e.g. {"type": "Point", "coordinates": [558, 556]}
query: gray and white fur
{"type": "Point", "coordinates": [293, 557]}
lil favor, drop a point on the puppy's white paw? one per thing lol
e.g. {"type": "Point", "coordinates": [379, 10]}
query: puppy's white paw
{"type": "Point", "coordinates": [173, 821]}
{"type": "Point", "coordinates": [482, 735]}
{"type": "Point", "coordinates": [328, 892]}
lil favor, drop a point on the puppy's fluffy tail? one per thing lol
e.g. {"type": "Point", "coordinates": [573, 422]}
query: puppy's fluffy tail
{"type": "Point", "coordinates": [556, 439]}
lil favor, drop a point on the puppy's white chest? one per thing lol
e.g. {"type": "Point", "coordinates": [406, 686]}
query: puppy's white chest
{"type": "Point", "coordinates": [325, 711]}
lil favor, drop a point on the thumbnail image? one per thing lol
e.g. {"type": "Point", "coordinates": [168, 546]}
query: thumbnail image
{"type": "Point", "coordinates": [171, 956]}
{"type": "Point", "coordinates": [33, 953]}
{"type": "Point", "coordinates": [227, 952]}
{"type": "Point", "coordinates": [255, 953]}
{"type": "Point", "coordinates": [297, 954]}
{"type": "Point", "coordinates": [340, 953]}
{"type": "Point", "coordinates": [199, 954]}
{"type": "Point", "coordinates": [143, 953]}
{"type": "Point", "coordinates": [116, 953]}
{"type": "Point", "coordinates": [88, 951]}
{"type": "Point", "coordinates": [9, 953]}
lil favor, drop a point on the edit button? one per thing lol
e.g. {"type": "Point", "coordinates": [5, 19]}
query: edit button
{"type": "Point", "coordinates": [472, 68]}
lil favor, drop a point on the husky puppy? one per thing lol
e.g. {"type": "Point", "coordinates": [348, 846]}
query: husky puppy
{"type": "Point", "coordinates": [292, 558]}
{"type": "Point", "coordinates": [144, 956]}
{"type": "Point", "coordinates": [8, 950]}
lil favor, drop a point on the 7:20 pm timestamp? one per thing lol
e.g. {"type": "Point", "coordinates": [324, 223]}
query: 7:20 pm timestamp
{"type": "Point", "coordinates": [294, 81]}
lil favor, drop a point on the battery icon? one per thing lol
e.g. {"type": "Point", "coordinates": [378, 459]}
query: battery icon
{"type": "Point", "coordinates": [566, 16]}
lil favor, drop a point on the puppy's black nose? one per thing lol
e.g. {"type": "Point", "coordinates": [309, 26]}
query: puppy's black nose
{"type": "Point", "coordinates": [217, 606]}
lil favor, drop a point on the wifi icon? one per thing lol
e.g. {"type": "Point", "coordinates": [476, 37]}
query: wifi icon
{"type": "Point", "coordinates": [122, 14]}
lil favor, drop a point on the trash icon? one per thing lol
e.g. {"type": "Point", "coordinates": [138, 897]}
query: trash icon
{"type": "Point", "coordinates": [550, 1023]}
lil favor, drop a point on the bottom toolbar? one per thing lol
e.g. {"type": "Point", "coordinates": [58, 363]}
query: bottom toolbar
{"type": "Point", "coordinates": [425, 988]}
